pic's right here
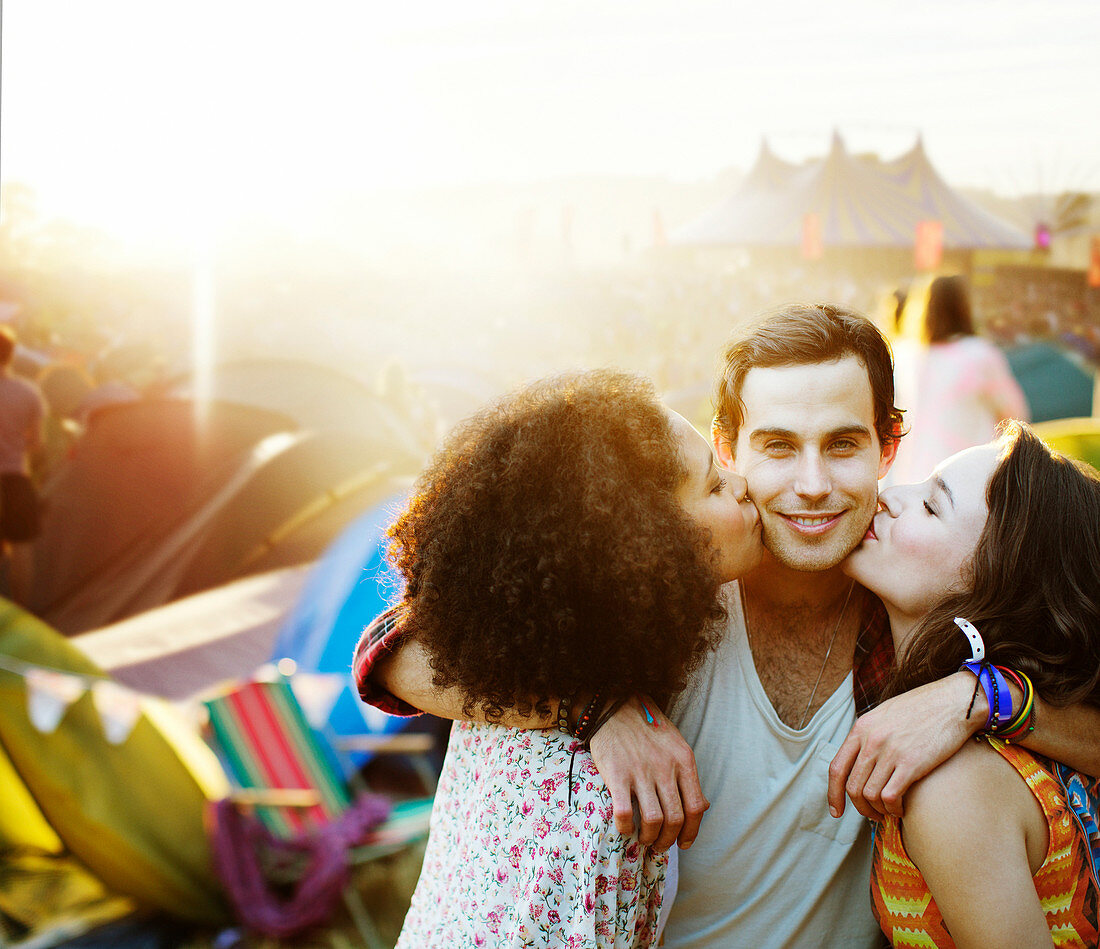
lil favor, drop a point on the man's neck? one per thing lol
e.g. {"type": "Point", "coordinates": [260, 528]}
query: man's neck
{"type": "Point", "coordinates": [801, 628]}
{"type": "Point", "coordinates": [773, 586]}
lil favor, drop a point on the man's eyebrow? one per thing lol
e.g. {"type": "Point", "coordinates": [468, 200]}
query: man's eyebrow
{"type": "Point", "coordinates": [786, 433]}
{"type": "Point", "coordinates": [773, 433]}
{"type": "Point", "coordinates": [942, 485]}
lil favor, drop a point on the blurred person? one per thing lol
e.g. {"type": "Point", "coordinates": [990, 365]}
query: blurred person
{"type": "Point", "coordinates": [979, 565]}
{"type": "Point", "coordinates": [563, 551]}
{"type": "Point", "coordinates": [22, 413]}
{"type": "Point", "coordinates": [954, 386]}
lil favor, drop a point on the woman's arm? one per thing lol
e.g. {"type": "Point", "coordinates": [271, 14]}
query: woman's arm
{"type": "Point", "coordinates": [405, 672]}
{"type": "Point", "coordinates": [906, 737]}
{"type": "Point", "coordinates": [649, 764]}
{"type": "Point", "coordinates": [977, 834]}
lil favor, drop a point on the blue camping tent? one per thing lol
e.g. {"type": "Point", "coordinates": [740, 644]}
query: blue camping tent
{"type": "Point", "coordinates": [351, 584]}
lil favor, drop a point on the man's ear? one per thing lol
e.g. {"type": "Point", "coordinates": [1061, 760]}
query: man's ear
{"type": "Point", "coordinates": [722, 447]}
{"type": "Point", "coordinates": [886, 459]}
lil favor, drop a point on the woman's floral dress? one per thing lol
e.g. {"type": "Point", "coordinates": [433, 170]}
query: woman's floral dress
{"type": "Point", "coordinates": [510, 862]}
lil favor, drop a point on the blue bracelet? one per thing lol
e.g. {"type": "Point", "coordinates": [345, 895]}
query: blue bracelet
{"type": "Point", "coordinates": [993, 683]}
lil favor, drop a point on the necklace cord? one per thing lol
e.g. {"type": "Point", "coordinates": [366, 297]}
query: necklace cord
{"type": "Point", "coordinates": [828, 652]}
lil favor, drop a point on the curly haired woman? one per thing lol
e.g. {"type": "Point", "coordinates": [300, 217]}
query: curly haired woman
{"type": "Point", "coordinates": [562, 552]}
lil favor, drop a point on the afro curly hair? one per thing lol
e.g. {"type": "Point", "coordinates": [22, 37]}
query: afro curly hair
{"type": "Point", "coordinates": [545, 552]}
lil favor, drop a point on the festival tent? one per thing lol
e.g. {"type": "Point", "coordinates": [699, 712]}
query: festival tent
{"type": "Point", "coordinates": [456, 392]}
{"type": "Point", "coordinates": [351, 584]}
{"type": "Point", "coordinates": [102, 794]}
{"type": "Point", "coordinates": [858, 202]}
{"type": "Point", "coordinates": [157, 503]}
{"type": "Point", "coordinates": [1055, 384]}
{"type": "Point", "coordinates": [317, 398]}
{"type": "Point", "coordinates": [189, 646]}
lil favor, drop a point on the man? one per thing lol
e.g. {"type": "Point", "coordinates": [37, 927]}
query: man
{"type": "Point", "coordinates": [805, 413]}
{"type": "Point", "coordinates": [22, 410]}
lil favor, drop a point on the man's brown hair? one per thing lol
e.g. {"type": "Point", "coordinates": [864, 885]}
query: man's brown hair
{"type": "Point", "coordinates": [799, 335]}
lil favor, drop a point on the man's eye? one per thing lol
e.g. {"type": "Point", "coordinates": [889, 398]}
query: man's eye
{"type": "Point", "coordinates": [928, 508]}
{"type": "Point", "coordinates": [777, 446]}
{"type": "Point", "coordinates": [844, 445]}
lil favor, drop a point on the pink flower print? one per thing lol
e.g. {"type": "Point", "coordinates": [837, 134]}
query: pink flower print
{"type": "Point", "coordinates": [494, 922]}
{"type": "Point", "coordinates": [479, 939]}
{"type": "Point", "coordinates": [632, 851]}
{"type": "Point", "coordinates": [502, 874]}
{"type": "Point", "coordinates": [553, 918]}
{"type": "Point", "coordinates": [526, 808]}
{"type": "Point", "coordinates": [626, 881]}
{"type": "Point", "coordinates": [542, 827]}
{"type": "Point", "coordinates": [514, 855]}
{"type": "Point", "coordinates": [590, 808]}
{"type": "Point", "coordinates": [535, 910]}
{"type": "Point", "coordinates": [556, 875]}
{"type": "Point", "coordinates": [556, 853]}
{"type": "Point", "coordinates": [546, 789]}
{"type": "Point", "coordinates": [604, 883]}
{"type": "Point", "coordinates": [525, 774]}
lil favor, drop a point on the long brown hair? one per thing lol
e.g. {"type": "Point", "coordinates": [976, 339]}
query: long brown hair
{"type": "Point", "coordinates": [1034, 591]}
{"type": "Point", "coordinates": [947, 312]}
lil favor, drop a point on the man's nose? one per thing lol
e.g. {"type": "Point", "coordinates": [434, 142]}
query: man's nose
{"type": "Point", "coordinates": [812, 480]}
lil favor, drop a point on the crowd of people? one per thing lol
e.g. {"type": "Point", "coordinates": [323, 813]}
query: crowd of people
{"type": "Point", "coordinates": [566, 571]}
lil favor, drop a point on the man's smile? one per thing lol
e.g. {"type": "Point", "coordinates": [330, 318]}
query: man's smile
{"type": "Point", "coordinates": [812, 523]}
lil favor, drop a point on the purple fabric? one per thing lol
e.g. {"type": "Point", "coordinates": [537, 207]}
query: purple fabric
{"type": "Point", "coordinates": [238, 839]}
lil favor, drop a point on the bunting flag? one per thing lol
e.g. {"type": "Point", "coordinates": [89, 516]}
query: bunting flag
{"type": "Point", "coordinates": [50, 693]}
{"type": "Point", "coordinates": [119, 709]}
{"type": "Point", "coordinates": [928, 245]}
{"type": "Point", "coordinates": [1094, 262]}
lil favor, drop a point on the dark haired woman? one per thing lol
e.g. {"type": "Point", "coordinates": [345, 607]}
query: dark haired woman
{"type": "Point", "coordinates": [954, 385]}
{"type": "Point", "coordinates": [993, 561]}
{"type": "Point", "coordinates": [562, 552]}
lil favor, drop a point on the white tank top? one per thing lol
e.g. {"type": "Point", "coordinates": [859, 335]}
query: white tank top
{"type": "Point", "coordinates": [770, 867]}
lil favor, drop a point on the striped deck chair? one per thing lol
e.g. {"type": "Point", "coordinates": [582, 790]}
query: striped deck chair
{"type": "Point", "coordinates": [289, 776]}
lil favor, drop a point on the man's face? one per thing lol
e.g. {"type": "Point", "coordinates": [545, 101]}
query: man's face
{"type": "Point", "coordinates": [808, 449]}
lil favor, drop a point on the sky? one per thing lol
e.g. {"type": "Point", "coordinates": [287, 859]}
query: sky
{"type": "Point", "coordinates": [136, 115]}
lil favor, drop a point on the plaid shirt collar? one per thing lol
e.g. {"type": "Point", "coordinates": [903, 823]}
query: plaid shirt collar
{"type": "Point", "coordinates": [874, 655]}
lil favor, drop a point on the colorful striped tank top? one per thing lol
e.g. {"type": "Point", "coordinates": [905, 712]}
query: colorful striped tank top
{"type": "Point", "coordinates": [1067, 889]}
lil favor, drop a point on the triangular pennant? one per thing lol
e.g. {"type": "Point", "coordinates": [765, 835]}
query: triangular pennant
{"type": "Point", "coordinates": [317, 693]}
{"type": "Point", "coordinates": [119, 709]}
{"type": "Point", "coordinates": [49, 695]}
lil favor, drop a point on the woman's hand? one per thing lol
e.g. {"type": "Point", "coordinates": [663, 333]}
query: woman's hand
{"type": "Point", "coordinates": [900, 742]}
{"type": "Point", "coordinates": [652, 764]}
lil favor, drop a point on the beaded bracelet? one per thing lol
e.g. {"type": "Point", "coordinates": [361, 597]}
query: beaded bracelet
{"type": "Point", "coordinates": [565, 706]}
{"type": "Point", "coordinates": [584, 729]}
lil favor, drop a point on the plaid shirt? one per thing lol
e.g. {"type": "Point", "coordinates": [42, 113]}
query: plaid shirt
{"type": "Point", "coordinates": [382, 635]}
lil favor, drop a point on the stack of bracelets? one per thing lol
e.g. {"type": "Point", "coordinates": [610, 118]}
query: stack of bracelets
{"type": "Point", "coordinates": [1002, 722]}
{"type": "Point", "coordinates": [589, 721]}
